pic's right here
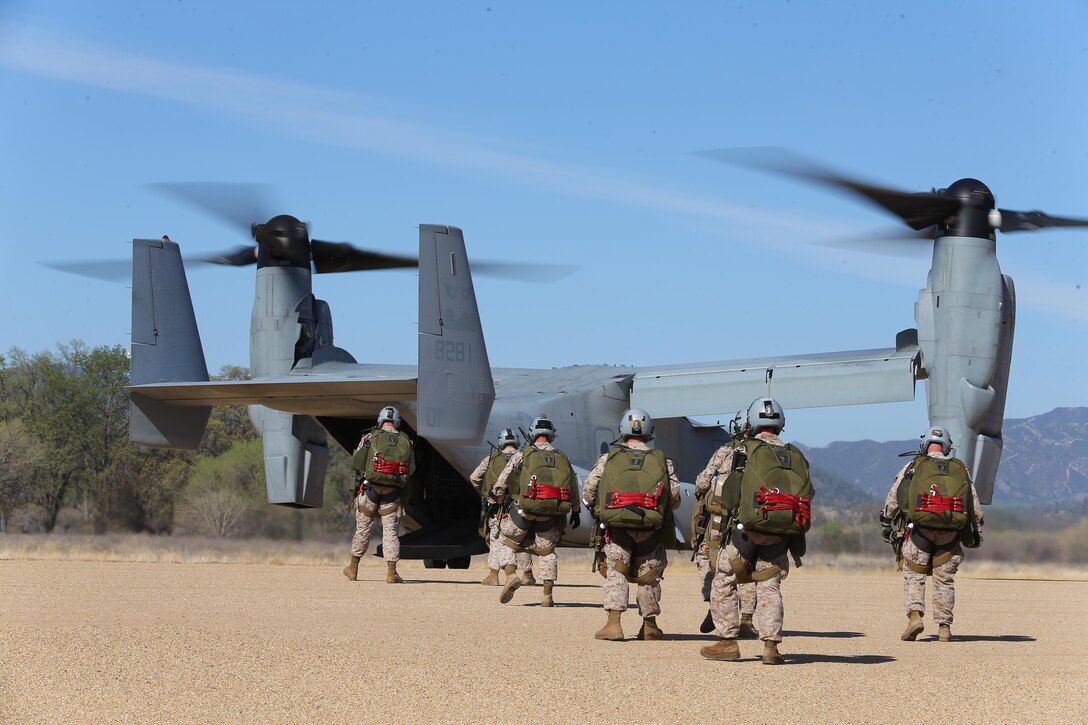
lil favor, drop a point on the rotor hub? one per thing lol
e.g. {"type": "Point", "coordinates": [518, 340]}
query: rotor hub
{"type": "Point", "coordinates": [973, 219]}
{"type": "Point", "coordinates": [282, 240]}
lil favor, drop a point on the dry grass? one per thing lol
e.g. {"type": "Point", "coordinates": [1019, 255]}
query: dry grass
{"type": "Point", "coordinates": [201, 550]}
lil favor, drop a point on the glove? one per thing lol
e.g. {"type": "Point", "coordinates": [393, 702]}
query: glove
{"type": "Point", "coordinates": [575, 519]}
{"type": "Point", "coordinates": [886, 534]}
{"type": "Point", "coordinates": [492, 510]}
{"type": "Point", "coordinates": [975, 542]}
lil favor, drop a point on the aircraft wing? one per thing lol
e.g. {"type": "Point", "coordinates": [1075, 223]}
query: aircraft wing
{"type": "Point", "coordinates": [341, 390]}
{"type": "Point", "coordinates": [797, 381]}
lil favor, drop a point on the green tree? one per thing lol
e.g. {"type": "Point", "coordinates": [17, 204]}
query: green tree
{"type": "Point", "coordinates": [222, 490]}
{"type": "Point", "coordinates": [21, 461]}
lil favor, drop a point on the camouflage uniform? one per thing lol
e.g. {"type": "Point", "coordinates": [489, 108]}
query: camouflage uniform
{"type": "Point", "coordinates": [914, 583]}
{"type": "Point", "coordinates": [390, 522]}
{"type": "Point", "coordinates": [616, 591]}
{"type": "Point", "coordinates": [497, 551]}
{"type": "Point", "coordinates": [546, 529]}
{"type": "Point", "coordinates": [725, 602]}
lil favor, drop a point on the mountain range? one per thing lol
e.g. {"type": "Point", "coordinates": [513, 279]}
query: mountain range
{"type": "Point", "coordinates": [1045, 462]}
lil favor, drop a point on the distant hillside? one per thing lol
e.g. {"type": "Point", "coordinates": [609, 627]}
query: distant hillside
{"type": "Point", "coordinates": [1045, 460]}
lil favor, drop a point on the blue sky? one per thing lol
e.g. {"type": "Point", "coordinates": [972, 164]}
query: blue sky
{"type": "Point", "coordinates": [559, 132]}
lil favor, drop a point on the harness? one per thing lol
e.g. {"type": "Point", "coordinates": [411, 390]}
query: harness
{"type": "Point", "coordinates": [535, 490]}
{"type": "Point", "coordinates": [775, 500]}
{"type": "Point", "coordinates": [934, 503]}
{"type": "Point", "coordinates": [616, 500]}
{"type": "Point", "coordinates": [380, 465]}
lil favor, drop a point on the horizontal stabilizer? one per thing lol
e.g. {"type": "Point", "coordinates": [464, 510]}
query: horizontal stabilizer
{"type": "Point", "coordinates": [801, 381]}
{"type": "Point", "coordinates": [165, 346]}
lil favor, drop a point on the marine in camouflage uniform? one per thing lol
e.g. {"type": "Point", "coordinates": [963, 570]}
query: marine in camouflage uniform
{"type": "Point", "coordinates": [943, 540]}
{"type": "Point", "coordinates": [640, 552]}
{"type": "Point", "coordinates": [498, 553]}
{"type": "Point", "coordinates": [746, 591]}
{"type": "Point", "coordinates": [367, 510]}
{"type": "Point", "coordinates": [515, 526]}
{"type": "Point", "coordinates": [770, 551]}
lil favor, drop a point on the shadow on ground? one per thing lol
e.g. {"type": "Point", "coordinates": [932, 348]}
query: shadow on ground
{"type": "Point", "coordinates": [811, 659]}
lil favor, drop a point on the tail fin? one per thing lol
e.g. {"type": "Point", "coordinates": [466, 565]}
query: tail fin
{"type": "Point", "coordinates": [165, 346]}
{"type": "Point", "coordinates": [455, 389]}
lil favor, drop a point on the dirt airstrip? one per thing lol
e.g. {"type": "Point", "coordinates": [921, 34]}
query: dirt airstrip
{"type": "Point", "coordinates": [143, 642]}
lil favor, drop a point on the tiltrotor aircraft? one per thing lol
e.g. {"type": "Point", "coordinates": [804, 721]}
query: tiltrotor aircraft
{"type": "Point", "coordinates": [306, 391]}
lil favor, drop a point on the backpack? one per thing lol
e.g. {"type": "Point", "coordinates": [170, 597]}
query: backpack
{"type": "Point", "coordinates": [495, 466]}
{"type": "Point", "coordinates": [935, 492]}
{"type": "Point", "coordinates": [775, 490]}
{"type": "Point", "coordinates": [387, 455]}
{"type": "Point", "coordinates": [543, 482]}
{"type": "Point", "coordinates": [634, 491]}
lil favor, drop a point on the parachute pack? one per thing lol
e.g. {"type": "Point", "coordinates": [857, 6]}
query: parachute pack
{"type": "Point", "coordinates": [634, 491]}
{"type": "Point", "coordinates": [387, 456]}
{"type": "Point", "coordinates": [496, 463]}
{"type": "Point", "coordinates": [773, 492]}
{"type": "Point", "coordinates": [934, 493]}
{"type": "Point", "coordinates": [543, 482]}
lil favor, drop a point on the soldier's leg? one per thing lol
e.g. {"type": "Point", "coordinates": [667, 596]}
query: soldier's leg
{"type": "Point", "coordinates": [494, 544]}
{"type": "Point", "coordinates": [769, 610]}
{"type": "Point", "coordinates": [549, 565]}
{"type": "Point", "coordinates": [706, 572]}
{"type": "Point", "coordinates": [360, 542]}
{"type": "Point", "coordinates": [724, 606]}
{"type": "Point", "coordinates": [616, 591]}
{"type": "Point", "coordinates": [648, 596]}
{"type": "Point", "coordinates": [944, 591]}
{"type": "Point", "coordinates": [914, 583]}
{"type": "Point", "coordinates": [391, 536]}
{"type": "Point", "coordinates": [509, 530]}
{"type": "Point", "coordinates": [525, 566]}
{"type": "Point", "coordinates": [747, 610]}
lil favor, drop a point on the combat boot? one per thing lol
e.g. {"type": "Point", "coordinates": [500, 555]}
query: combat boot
{"type": "Point", "coordinates": [351, 571]}
{"type": "Point", "coordinates": [513, 581]}
{"type": "Point", "coordinates": [944, 633]}
{"type": "Point", "coordinates": [915, 625]}
{"type": "Point", "coordinates": [708, 623]}
{"type": "Point", "coordinates": [492, 578]}
{"type": "Point", "coordinates": [527, 578]}
{"type": "Point", "coordinates": [747, 629]}
{"type": "Point", "coordinates": [391, 575]}
{"type": "Point", "coordinates": [770, 654]}
{"type": "Point", "coordinates": [725, 649]}
{"type": "Point", "coordinates": [612, 631]}
{"type": "Point", "coordinates": [547, 601]}
{"type": "Point", "coordinates": [650, 630]}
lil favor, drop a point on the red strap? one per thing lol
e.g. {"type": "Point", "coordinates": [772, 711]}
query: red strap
{"type": "Point", "coordinates": [383, 466]}
{"type": "Point", "coordinates": [618, 500]}
{"type": "Point", "coordinates": [775, 500]}
{"type": "Point", "coordinates": [542, 490]}
{"type": "Point", "coordinates": [934, 503]}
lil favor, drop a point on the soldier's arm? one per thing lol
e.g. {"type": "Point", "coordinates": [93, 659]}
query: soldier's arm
{"type": "Point", "coordinates": [411, 458]}
{"type": "Point", "coordinates": [674, 484]}
{"type": "Point", "coordinates": [702, 481]}
{"type": "Point", "coordinates": [575, 500]}
{"type": "Point", "coordinates": [499, 489]}
{"type": "Point", "coordinates": [891, 503]}
{"type": "Point", "coordinates": [976, 507]}
{"type": "Point", "coordinates": [593, 480]}
{"type": "Point", "coordinates": [476, 478]}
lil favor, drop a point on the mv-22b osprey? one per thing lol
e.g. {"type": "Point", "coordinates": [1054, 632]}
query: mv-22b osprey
{"type": "Point", "coordinates": [305, 390]}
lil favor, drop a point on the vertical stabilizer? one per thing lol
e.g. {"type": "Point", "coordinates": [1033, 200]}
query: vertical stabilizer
{"type": "Point", "coordinates": [165, 346]}
{"type": "Point", "coordinates": [455, 389]}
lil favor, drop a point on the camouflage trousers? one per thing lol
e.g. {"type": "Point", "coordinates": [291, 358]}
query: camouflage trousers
{"type": "Point", "coordinates": [747, 591]}
{"type": "Point", "coordinates": [499, 555]}
{"type": "Point", "coordinates": [616, 590]}
{"type": "Point", "coordinates": [725, 601]}
{"type": "Point", "coordinates": [544, 534]}
{"type": "Point", "coordinates": [706, 572]}
{"type": "Point", "coordinates": [363, 525]}
{"type": "Point", "coordinates": [944, 591]}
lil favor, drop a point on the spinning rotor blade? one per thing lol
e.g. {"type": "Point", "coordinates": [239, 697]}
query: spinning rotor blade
{"type": "Point", "coordinates": [238, 257]}
{"type": "Point", "coordinates": [238, 204]}
{"type": "Point", "coordinates": [331, 257]}
{"type": "Point", "coordinates": [110, 270]}
{"type": "Point", "coordinates": [540, 273]}
{"type": "Point", "coordinates": [917, 209]}
{"type": "Point", "coordinates": [887, 243]}
{"type": "Point", "coordinates": [1030, 221]}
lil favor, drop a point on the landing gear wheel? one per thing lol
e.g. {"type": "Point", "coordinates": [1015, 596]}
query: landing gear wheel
{"type": "Point", "coordinates": [434, 563]}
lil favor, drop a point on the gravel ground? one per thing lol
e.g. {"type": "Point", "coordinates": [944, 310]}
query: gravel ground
{"type": "Point", "coordinates": [139, 642]}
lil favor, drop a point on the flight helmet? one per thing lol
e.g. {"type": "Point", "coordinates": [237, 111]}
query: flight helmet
{"type": "Point", "coordinates": [389, 414]}
{"type": "Point", "coordinates": [738, 425]}
{"type": "Point", "coordinates": [766, 413]}
{"type": "Point", "coordinates": [506, 438]}
{"type": "Point", "coordinates": [936, 434]}
{"type": "Point", "coordinates": [636, 422]}
{"type": "Point", "coordinates": [542, 426]}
